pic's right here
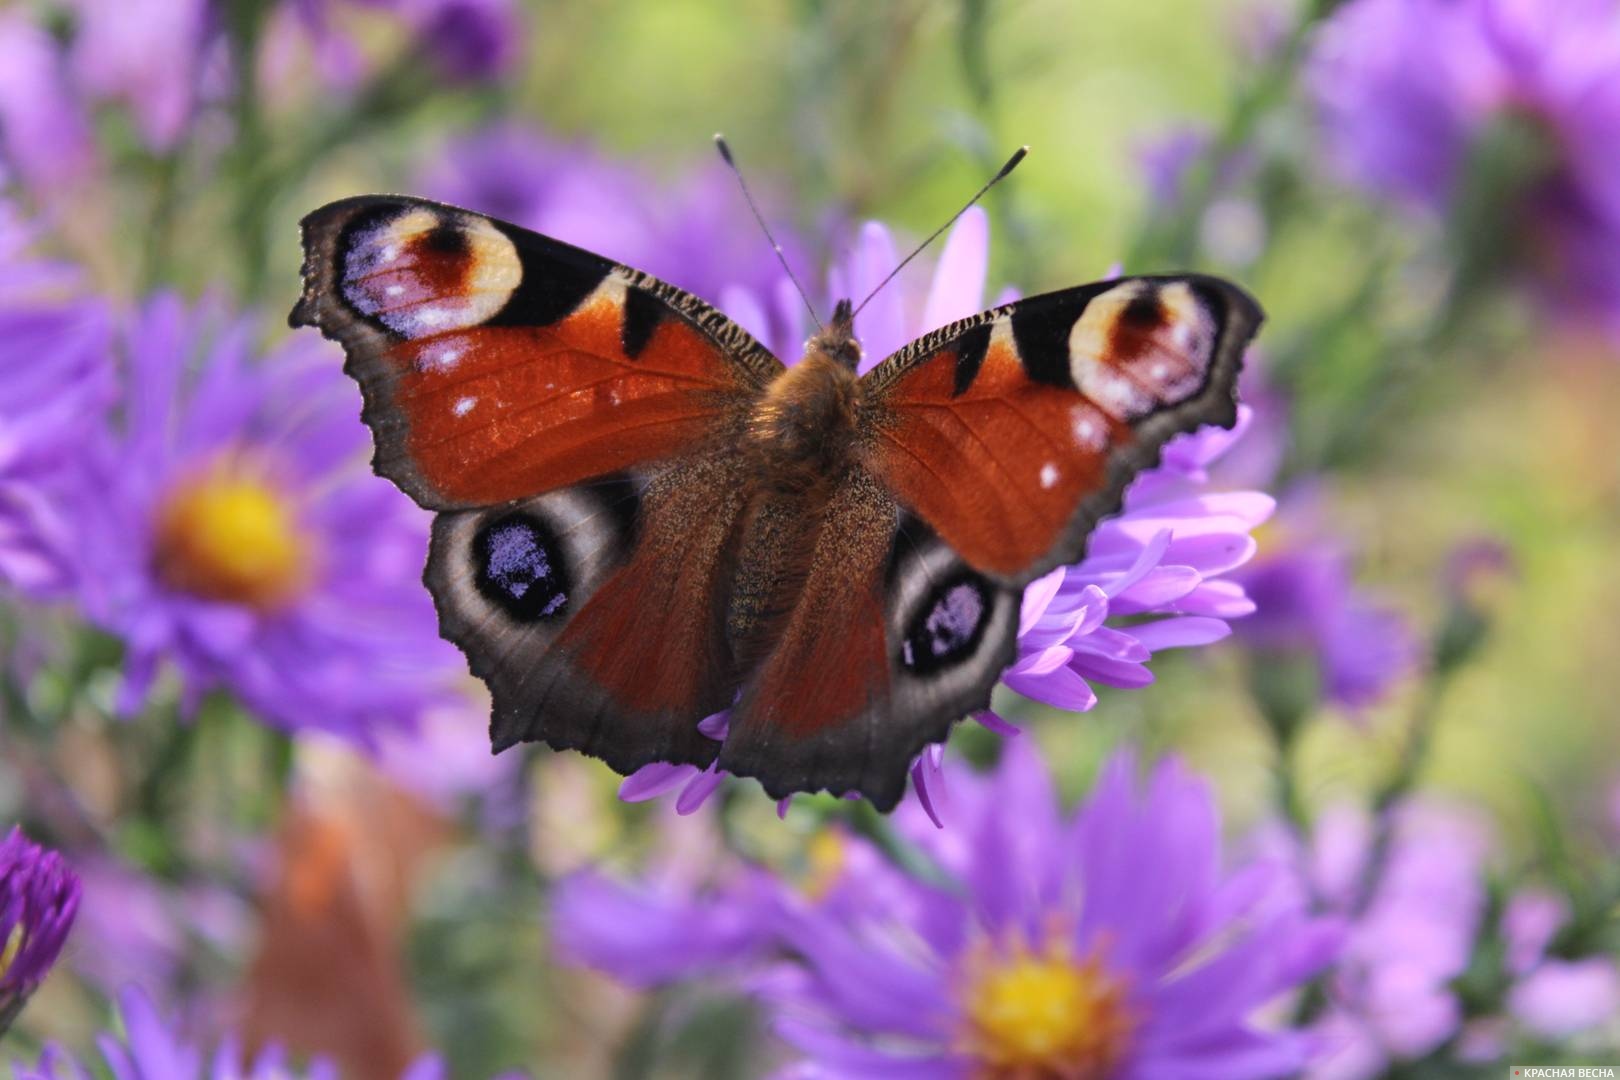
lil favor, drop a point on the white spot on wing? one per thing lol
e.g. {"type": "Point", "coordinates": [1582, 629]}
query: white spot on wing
{"type": "Point", "coordinates": [1087, 425]}
{"type": "Point", "coordinates": [463, 406]}
{"type": "Point", "coordinates": [439, 356]}
{"type": "Point", "coordinates": [1049, 475]}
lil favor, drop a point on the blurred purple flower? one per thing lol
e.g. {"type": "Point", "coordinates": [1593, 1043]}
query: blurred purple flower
{"type": "Point", "coordinates": [681, 917]}
{"type": "Point", "coordinates": [149, 1047]}
{"type": "Point", "coordinates": [445, 762]}
{"type": "Point", "coordinates": [1561, 998]}
{"type": "Point", "coordinates": [468, 40]}
{"type": "Point", "coordinates": [136, 927]}
{"type": "Point", "coordinates": [1529, 922]}
{"type": "Point", "coordinates": [152, 1048]}
{"type": "Point", "coordinates": [39, 897]}
{"type": "Point", "coordinates": [226, 525]}
{"type": "Point", "coordinates": [999, 967]}
{"type": "Point", "coordinates": [695, 233]}
{"type": "Point", "coordinates": [44, 131]}
{"type": "Point", "coordinates": [465, 40]}
{"type": "Point", "coordinates": [1553, 998]}
{"type": "Point", "coordinates": [655, 932]}
{"type": "Point", "coordinates": [1408, 89]}
{"type": "Point", "coordinates": [1167, 554]}
{"type": "Point", "coordinates": [54, 349]}
{"type": "Point", "coordinates": [1307, 604]}
{"type": "Point", "coordinates": [149, 55]}
{"type": "Point", "coordinates": [1390, 994]}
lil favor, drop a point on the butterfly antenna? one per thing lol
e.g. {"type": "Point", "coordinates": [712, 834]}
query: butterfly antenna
{"type": "Point", "coordinates": [748, 196]}
{"type": "Point", "coordinates": [1012, 163]}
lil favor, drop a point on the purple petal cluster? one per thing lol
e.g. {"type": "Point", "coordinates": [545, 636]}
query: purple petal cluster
{"type": "Point", "coordinates": [685, 913]}
{"type": "Point", "coordinates": [150, 56]}
{"type": "Point", "coordinates": [158, 59]}
{"type": "Point", "coordinates": [1109, 943]}
{"type": "Point", "coordinates": [1301, 582]}
{"type": "Point", "coordinates": [45, 133]}
{"type": "Point", "coordinates": [1391, 996]}
{"type": "Point", "coordinates": [1157, 576]}
{"type": "Point", "coordinates": [1554, 997]}
{"type": "Point", "coordinates": [222, 521]}
{"type": "Point", "coordinates": [466, 41]}
{"type": "Point", "coordinates": [150, 1047]}
{"type": "Point", "coordinates": [54, 345]}
{"type": "Point", "coordinates": [1167, 554]}
{"type": "Point", "coordinates": [39, 897]}
{"type": "Point", "coordinates": [1409, 89]}
{"type": "Point", "coordinates": [660, 930]}
{"type": "Point", "coordinates": [1307, 603]}
{"type": "Point", "coordinates": [1122, 908]}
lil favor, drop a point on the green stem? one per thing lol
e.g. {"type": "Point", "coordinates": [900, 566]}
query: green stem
{"type": "Point", "coordinates": [1175, 241]}
{"type": "Point", "coordinates": [1414, 756]}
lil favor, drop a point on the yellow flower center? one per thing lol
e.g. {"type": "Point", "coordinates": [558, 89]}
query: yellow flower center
{"type": "Point", "coordinates": [8, 955]}
{"type": "Point", "coordinates": [824, 860]}
{"type": "Point", "coordinates": [229, 535]}
{"type": "Point", "coordinates": [1043, 1015]}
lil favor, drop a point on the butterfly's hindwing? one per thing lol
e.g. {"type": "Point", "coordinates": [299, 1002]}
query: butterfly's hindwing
{"type": "Point", "coordinates": [890, 640]}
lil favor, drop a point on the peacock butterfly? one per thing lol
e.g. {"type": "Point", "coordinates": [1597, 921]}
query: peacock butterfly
{"type": "Point", "coordinates": [644, 517]}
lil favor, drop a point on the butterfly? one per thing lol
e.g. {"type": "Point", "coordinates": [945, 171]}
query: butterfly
{"type": "Point", "coordinates": [645, 518]}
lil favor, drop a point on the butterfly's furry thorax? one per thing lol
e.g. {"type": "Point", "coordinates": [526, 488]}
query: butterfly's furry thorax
{"type": "Point", "coordinates": [802, 432]}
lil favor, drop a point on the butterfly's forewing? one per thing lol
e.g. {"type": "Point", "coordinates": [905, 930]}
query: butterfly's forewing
{"type": "Point", "coordinates": [1013, 432]}
{"type": "Point", "coordinates": [999, 441]}
{"type": "Point", "coordinates": [499, 364]}
{"type": "Point", "coordinates": [572, 420]}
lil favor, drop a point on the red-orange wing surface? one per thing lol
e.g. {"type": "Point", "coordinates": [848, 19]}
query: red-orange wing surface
{"type": "Point", "coordinates": [990, 450]}
{"type": "Point", "coordinates": [1013, 432]}
{"type": "Point", "coordinates": [571, 419]}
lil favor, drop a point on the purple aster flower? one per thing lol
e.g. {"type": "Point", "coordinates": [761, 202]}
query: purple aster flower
{"type": "Point", "coordinates": [54, 349]}
{"type": "Point", "coordinates": [1109, 944]}
{"type": "Point", "coordinates": [133, 926]}
{"type": "Point", "coordinates": [654, 932]}
{"type": "Point", "coordinates": [1529, 922]}
{"type": "Point", "coordinates": [1307, 604]}
{"type": "Point", "coordinates": [468, 40]}
{"type": "Point", "coordinates": [227, 526]}
{"type": "Point", "coordinates": [1409, 89]}
{"type": "Point", "coordinates": [44, 131]}
{"type": "Point", "coordinates": [1231, 227]}
{"type": "Point", "coordinates": [1562, 998]}
{"type": "Point", "coordinates": [682, 916]}
{"type": "Point", "coordinates": [1391, 996]}
{"type": "Point", "coordinates": [150, 1047]}
{"type": "Point", "coordinates": [1553, 998]}
{"type": "Point", "coordinates": [465, 40]}
{"type": "Point", "coordinates": [149, 55]}
{"type": "Point", "coordinates": [1154, 577]}
{"type": "Point", "coordinates": [39, 896]}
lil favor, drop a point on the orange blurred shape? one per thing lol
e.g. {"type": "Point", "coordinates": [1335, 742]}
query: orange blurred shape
{"type": "Point", "coordinates": [328, 978]}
